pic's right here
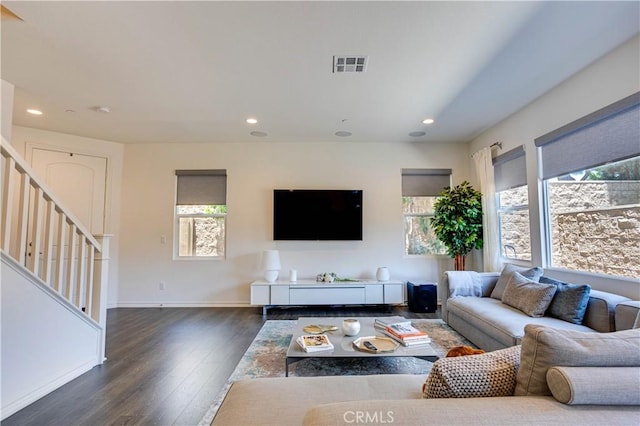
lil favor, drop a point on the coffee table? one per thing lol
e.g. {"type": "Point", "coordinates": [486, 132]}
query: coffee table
{"type": "Point", "coordinates": [343, 345]}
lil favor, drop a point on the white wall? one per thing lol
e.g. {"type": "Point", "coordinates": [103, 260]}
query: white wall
{"type": "Point", "coordinates": [45, 344]}
{"type": "Point", "coordinates": [607, 80]}
{"type": "Point", "coordinates": [6, 106]}
{"type": "Point", "coordinates": [254, 170]}
{"type": "Point", "coordinates": [114, 154]}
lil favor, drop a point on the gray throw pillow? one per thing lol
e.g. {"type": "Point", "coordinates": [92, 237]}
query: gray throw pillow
{"type": "Point", "coordinates": [570, 301]}
{"type": "Point", "coordinates": [544, 347]}
{"type": "Point", "coordinates": [533, 274]}
{"type": "Point", "coordinates": [528, 296]}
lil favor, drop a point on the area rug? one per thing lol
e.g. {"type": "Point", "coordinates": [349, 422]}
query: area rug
{"type": "Point", "coordinates": [265, 357]}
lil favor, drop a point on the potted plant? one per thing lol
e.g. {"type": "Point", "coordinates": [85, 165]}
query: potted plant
{"type": "Point", "coordinates": [457, 221]}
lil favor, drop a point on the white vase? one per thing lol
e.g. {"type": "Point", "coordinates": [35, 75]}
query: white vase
{"type": "Point", "coordinates": [382, 274]}
{"type": "Point", "coordinates": [350, 327]}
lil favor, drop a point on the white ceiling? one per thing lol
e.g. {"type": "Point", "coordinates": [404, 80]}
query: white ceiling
{"type": "Point", "coordinates": [194, 71]}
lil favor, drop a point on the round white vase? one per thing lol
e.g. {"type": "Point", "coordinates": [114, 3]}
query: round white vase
{"type": "Point", "coordinates": [382, 274]}
{"type": "Point", "coordinates": [350, 327]}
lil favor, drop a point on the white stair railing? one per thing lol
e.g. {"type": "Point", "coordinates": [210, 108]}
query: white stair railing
{"type": "Point", "coordinates": [39, 233]}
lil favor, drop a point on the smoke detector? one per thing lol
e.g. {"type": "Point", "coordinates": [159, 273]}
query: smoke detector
{"type": "Point", "coordinates": [102, 109]}
{"type": "Point", "coordinates": [350, 63]}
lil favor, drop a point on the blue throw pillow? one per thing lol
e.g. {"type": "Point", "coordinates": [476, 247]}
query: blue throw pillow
{"type": "Point", "coordinates": [570, 301]}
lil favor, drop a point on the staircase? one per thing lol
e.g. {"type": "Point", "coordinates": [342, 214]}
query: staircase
{"type": "Point", "coordinates": [54, 288]}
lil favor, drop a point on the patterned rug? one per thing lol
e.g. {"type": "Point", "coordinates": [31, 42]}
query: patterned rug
{"type": "Point", "coordinates": [265, 357]}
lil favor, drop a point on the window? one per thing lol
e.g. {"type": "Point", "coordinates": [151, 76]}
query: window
{"type": "Point", "coordinates": [420, 188]}
{"type": "Point", "coordinates": [201, 213]}
{"type": "Point", "coordinates": [591, 176]}
{"type": "Point", "coordinates": [512, 202]}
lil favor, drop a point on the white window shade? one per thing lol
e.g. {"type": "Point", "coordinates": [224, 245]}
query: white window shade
{"type": "Point", "coordinates": [424, 182]}
{"type": "Point", "coordinates": [201, 187]}
{"type": "Point", "coordinates": [604, 136]}
{"type": "Point", "coordinates": [510, 169]}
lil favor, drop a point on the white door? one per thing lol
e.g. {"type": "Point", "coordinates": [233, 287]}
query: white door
{"type": "Point", "coordinates": [78, 180]}
{"type": "Point", "coordinates": [79, 183]}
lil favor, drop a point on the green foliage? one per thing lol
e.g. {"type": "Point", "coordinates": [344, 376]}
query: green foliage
{"type": "Point", "coordinates": [622, 170]}
{"type": "Point", "coordinates": [457, 221]}
{"type": "Point", "coordinates": [215, 209]}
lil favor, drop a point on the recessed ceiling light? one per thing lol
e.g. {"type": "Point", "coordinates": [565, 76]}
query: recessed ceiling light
{"type": "Point", "coordinates": [428, 121]}
{"type": "Point", "coordinates": [251, 120]}
{"type": "Point", "coordinates": [417, 134]}
{"type": "Point", "coordinates": [343, 134]}
{"type": "Point", "coordinates": [258, 134]}
{"type": "Point", "coordinates": [34, 111]}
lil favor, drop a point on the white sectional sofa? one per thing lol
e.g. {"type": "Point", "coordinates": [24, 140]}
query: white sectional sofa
{"type": "Point", "coordinates": [595, 381]}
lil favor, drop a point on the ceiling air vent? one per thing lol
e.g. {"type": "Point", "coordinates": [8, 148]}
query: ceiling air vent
{"type": "Point", "coordinates": [350, 63]}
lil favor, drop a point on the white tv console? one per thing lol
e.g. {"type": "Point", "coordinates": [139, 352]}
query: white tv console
{"type": "Point", "coordinates": [309, 292]}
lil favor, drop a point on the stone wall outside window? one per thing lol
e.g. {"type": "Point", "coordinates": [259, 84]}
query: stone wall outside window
{"type": "Point", "coordinates": [595, 226]}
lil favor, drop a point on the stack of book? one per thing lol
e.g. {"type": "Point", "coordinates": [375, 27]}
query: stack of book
{"type": "Point", "coordinates": [314, 343]}
{"type": "Point", "coordinates": [402, 332]}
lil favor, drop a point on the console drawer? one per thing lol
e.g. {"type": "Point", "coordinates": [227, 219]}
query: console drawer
{"type": "Point", "coordinates": [327, 295]}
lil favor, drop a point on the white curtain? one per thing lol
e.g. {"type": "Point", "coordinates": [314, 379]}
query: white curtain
{"type": "Point", "coordinates": [491, 250]}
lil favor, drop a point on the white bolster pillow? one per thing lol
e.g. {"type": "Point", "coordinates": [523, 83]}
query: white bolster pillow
{"type": "Point", "coordinates": [595, 385]}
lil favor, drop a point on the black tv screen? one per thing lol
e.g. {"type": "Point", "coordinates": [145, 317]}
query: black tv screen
{"type": "Point", "coordinates": [317, 215]}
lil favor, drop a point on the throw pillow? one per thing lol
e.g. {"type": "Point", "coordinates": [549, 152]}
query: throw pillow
{"type": "Point", "coordinates": [528, 296]}
{"type": "Point", "coordinates": [570, 301]}
{"type": "Point", "coordinates": [544, 347]}
{"type": "Point", "coordinates": [575, 385]}
{"type": "Point", "coordinates": [533, 274]}
{"type": "Point", "coordinates": [489, 374]}
{"type": "Point", "coordinates": [463, 351]}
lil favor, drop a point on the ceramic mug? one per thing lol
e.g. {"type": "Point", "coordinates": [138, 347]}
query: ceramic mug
{"type": "Point", "coordinates": [350, 327]}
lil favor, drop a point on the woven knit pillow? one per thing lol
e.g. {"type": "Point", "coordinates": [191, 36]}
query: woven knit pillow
{"type": "Point", "coordinates": [490, 374]}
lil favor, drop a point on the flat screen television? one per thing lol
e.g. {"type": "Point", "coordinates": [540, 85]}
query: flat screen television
{"type": "Point", "coordinates": [317, 215]}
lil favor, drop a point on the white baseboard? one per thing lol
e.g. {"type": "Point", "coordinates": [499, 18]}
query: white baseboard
{"type": "Point", "coordinates": [183, 305]}
{"type": "Point", "coordinates": [36, 394]}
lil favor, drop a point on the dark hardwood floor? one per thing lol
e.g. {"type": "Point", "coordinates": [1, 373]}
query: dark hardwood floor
{"type": "Point", "coordinates": [165, 365]}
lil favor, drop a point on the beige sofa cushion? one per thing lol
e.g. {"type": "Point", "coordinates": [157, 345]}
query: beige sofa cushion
{"type": "Point", "coordinates": [282, 401]}
{"type": "Point", "coordinates": [628, 315]}
{"type": "Point", "coordinates": [546, 347]}
{"type": "Point", "coordinates": [489, 374]}
{"type": "Point", "coordinates": [528, 296]}
{"type": "Point", "coordinates": [505, 410]}
{"type": "Point", "coordinates": [595, 385]}
{"type": "Point", "coordinates": [533, 274]}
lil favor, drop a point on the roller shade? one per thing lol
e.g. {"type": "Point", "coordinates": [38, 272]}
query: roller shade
{"type": "Point", "coordinates": [201, 187]}
{"type": "Point", "coordinates": [510, 169]}
{"type": "Point", "coordinates": [424, 182]}
{"type": "Point", "coordinates": [604, 136]}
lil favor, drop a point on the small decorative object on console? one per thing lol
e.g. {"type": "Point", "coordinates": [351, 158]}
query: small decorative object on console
{"type": "Point", "coordinates": [327, 277]}
{"type": "Point", "coordinates": [382, 274]}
